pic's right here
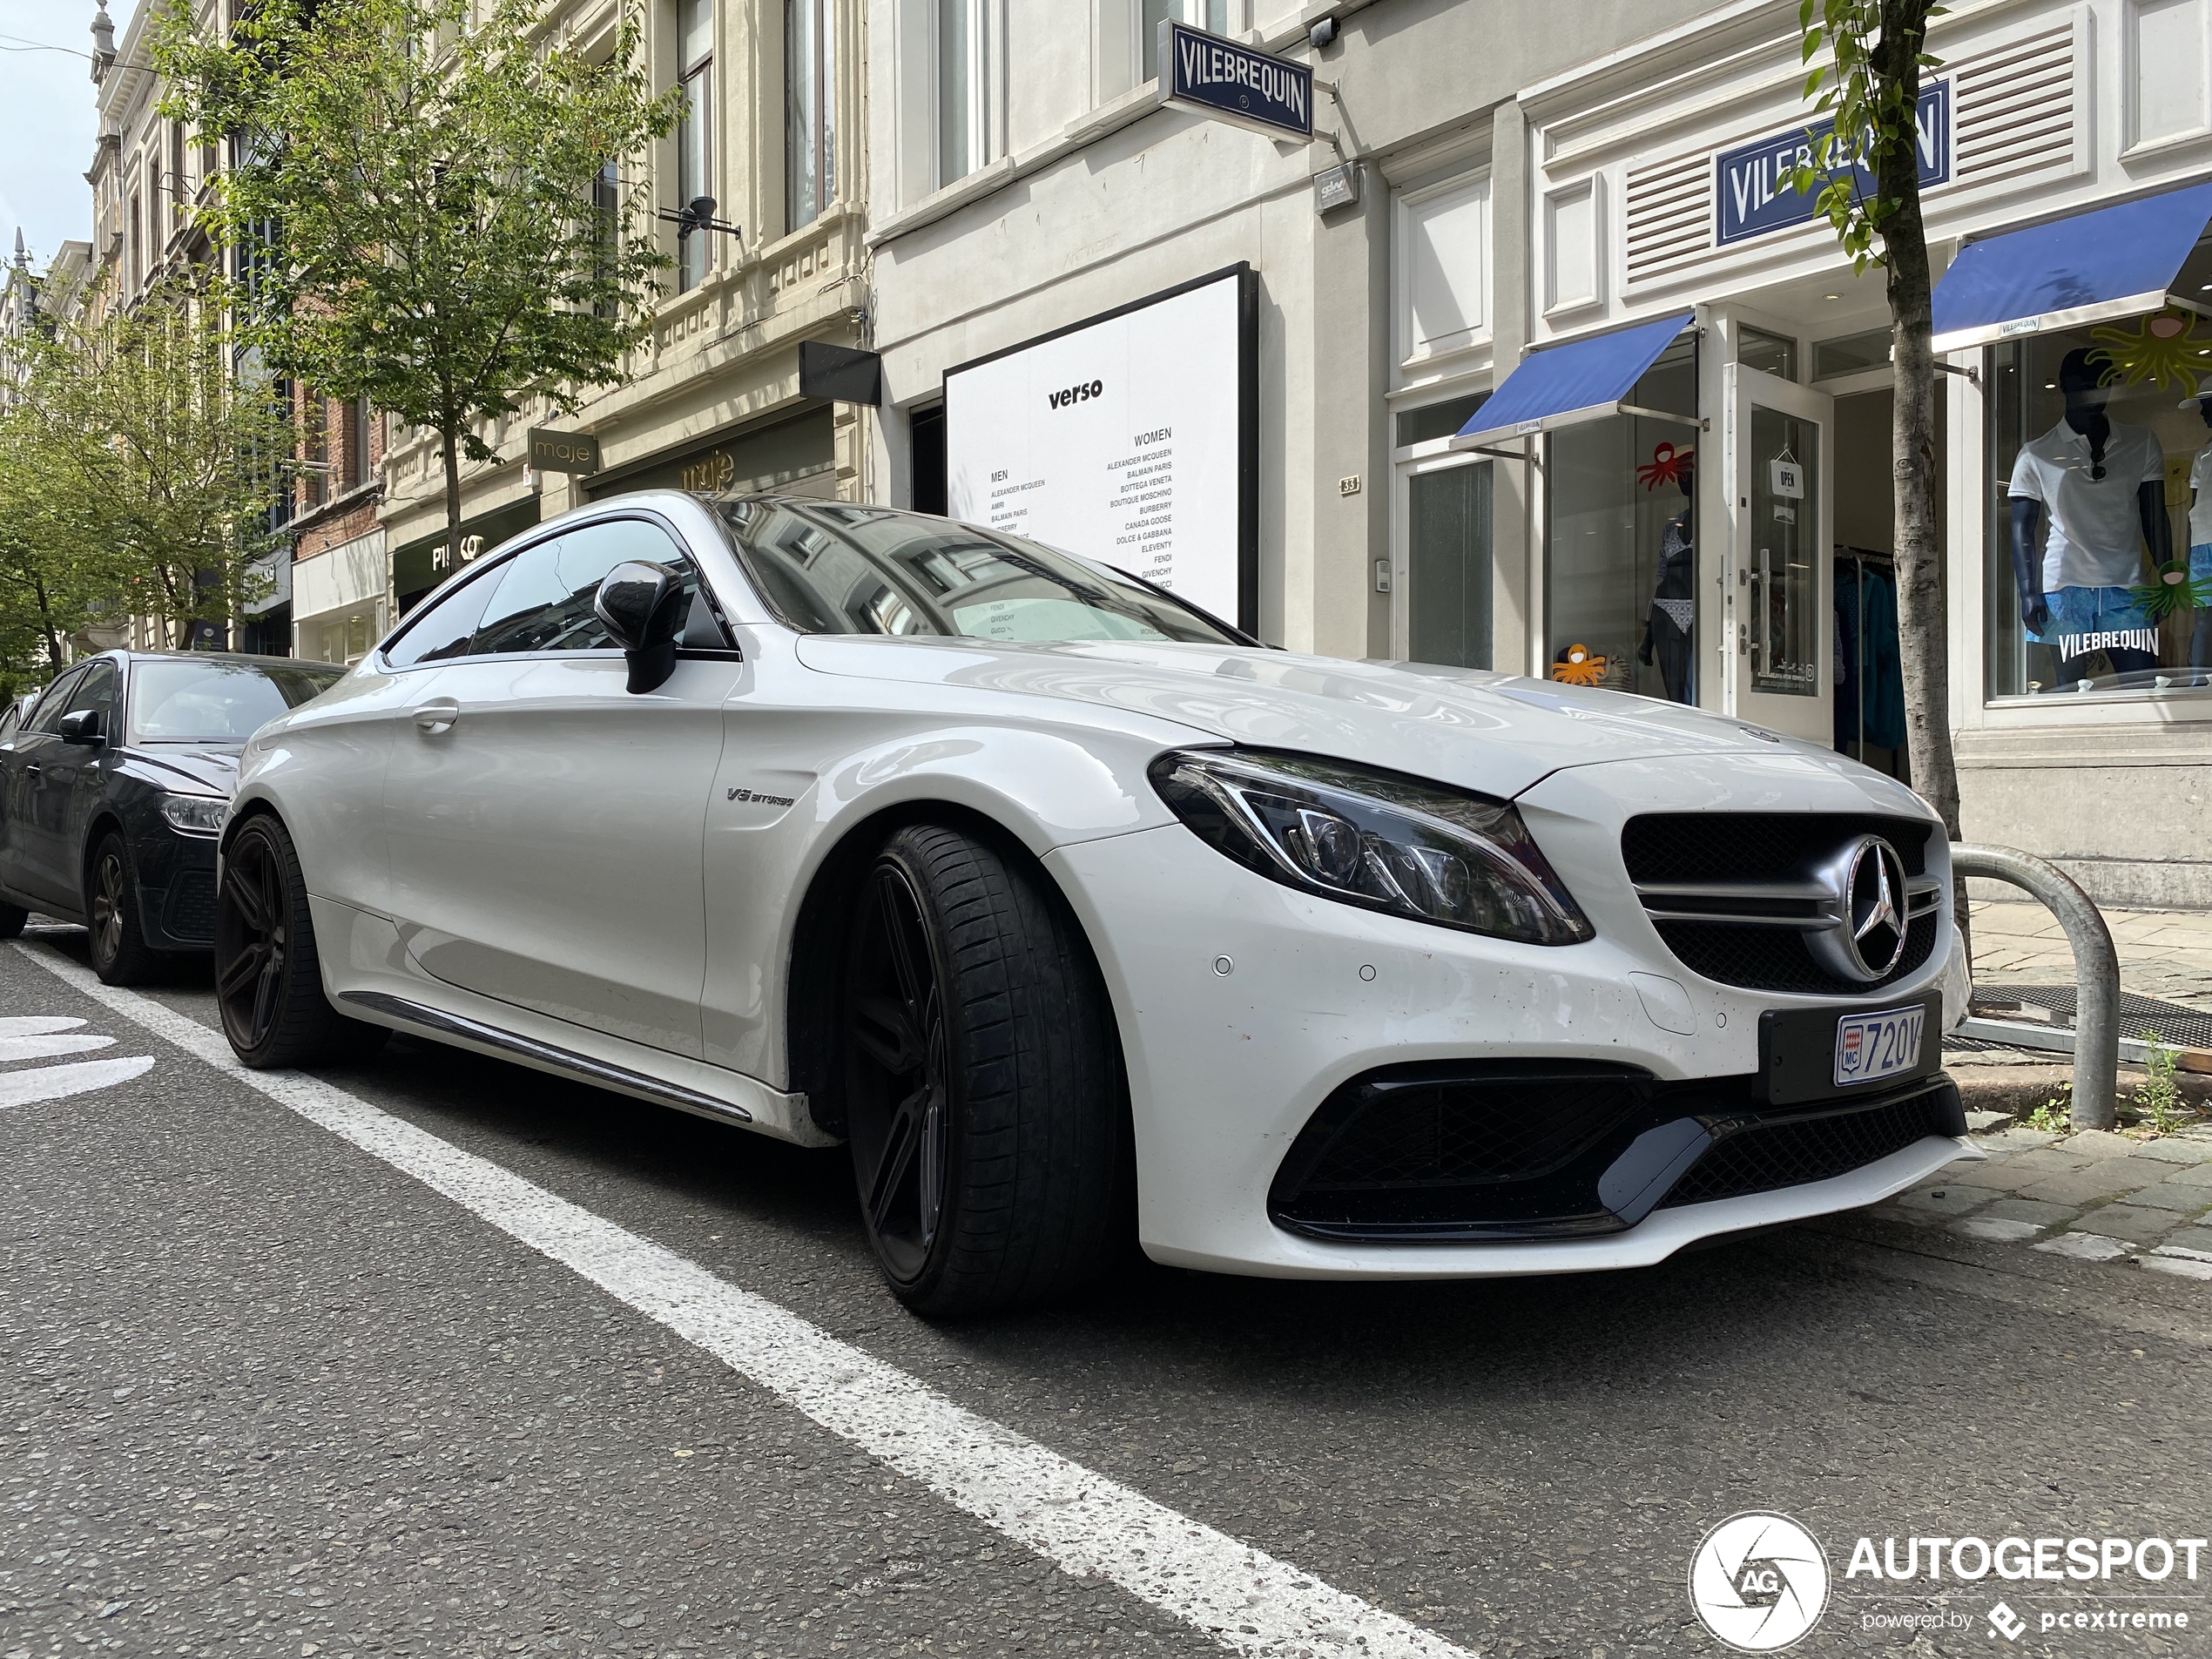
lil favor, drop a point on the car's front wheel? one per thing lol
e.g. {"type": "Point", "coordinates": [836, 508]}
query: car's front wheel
{"type": "Point", "coordinates": [983, 1081]}
{"type": "Point", "coordinates": [120, 953]}
{"type": "Point", "coordinates": [268, 979]}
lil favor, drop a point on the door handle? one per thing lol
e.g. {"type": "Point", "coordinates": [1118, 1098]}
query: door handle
{"type": "Point", "coordinates": [33, 769]}
{"type": "Point", "coordinates": [433, 718]}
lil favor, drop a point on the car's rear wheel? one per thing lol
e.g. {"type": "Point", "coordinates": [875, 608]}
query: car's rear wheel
{"type": "Point", "coordinates": [268, 979]}
{"type": "Point", "coordinates": [983, 1092]}
{"type": "Point", "coordinates": [120, 953]}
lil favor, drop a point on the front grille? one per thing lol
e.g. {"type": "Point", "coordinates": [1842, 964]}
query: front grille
{"type": "Point", "coordinates": [1775, 959]}
{"type": "Point", "coordinates": [1661, 848]}
{"type": "Point", "coordinates": [190, 910]}
{"type": "Point", "coordinates": [1790, 1152]}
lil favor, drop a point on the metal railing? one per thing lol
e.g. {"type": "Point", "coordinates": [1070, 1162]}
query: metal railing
{"type": "Point", "coordinates": [2096, 970]}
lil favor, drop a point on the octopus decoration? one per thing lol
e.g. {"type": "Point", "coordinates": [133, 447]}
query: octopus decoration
{"type": "Point", "coordinates": [2166, 351]}
{"type": "Point", "coordinates": [1667, 466]}
{"type": "Point", "coordinates": [1575, 666]}
{"type": "Point", "coordinates": [2173, 592]}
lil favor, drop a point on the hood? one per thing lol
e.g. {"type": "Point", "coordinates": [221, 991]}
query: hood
{"type": "Point", "coordinates": [187, 768]}
{"type": "Point", "coordinates": [1495, 733]}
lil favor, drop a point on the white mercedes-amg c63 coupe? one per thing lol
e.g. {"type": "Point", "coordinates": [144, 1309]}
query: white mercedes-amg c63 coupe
{"type": "Point", "coordinates": [1074, 911]}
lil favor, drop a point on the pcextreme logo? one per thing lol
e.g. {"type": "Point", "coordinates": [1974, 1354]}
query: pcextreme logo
{"type": "Point", "coordinates": [1758, 1582]}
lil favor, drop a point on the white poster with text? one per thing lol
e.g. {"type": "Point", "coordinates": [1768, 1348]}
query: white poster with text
{"type": "Point", "coordinates": [1118, 441]}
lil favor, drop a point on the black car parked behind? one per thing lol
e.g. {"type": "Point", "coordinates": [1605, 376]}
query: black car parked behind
{"type": "Point", "coordinates": [113, 786]}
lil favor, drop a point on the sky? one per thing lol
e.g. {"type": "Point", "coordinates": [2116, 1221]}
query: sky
{"type": "Point", "coordinates": [47, 122]}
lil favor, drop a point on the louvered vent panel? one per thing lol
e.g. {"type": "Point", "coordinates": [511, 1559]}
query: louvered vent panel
{"type": "Point", "coordinates": [1670, 215]}
{"type": "Point", "coordinates": [2015, 107]}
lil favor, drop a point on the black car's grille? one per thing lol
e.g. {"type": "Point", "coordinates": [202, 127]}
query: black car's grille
{"type": "Point", "coordinates": [1756, 846]}
{"type": "Point", "coordinates": [189, 911]}
{"type": "Point", "coordinates": [1791, 1152]}
{"type": "Point", "coordinates": [1775, 959]}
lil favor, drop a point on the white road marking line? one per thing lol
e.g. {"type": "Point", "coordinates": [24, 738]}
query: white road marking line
{"type": "Point", "coordinates": [46, 1048]}
{"type": "Point", "coordinates": [58, 1082]}
{"type": "Point", "coordinates": [1250, 1601]}
{"type": "Point", "coordinates": [35, 1025]}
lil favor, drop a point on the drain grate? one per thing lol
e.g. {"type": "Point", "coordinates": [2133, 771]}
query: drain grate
{"type": "Point", "coordinates": [2178, 1026]}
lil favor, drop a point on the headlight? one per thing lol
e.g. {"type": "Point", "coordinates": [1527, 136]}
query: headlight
{"type": "Point", "coordinates": [195, 814]}
{"type": "Point", "coordinates": [1375, 839]}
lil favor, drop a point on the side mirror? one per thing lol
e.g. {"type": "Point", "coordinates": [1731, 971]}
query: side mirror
{"type": "Point", "coordinates": [82, 725]}
{"type": "Point", "coordinates": [643, 607]}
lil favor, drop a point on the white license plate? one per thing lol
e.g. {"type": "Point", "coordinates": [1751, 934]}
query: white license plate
{"type": "Point", "coordinates": [1872, 1046]}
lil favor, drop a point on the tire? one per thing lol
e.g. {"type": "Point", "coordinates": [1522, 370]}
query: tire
{"type": "Point", "coordinates": [120, 953]}
{"type": "Point", "coordinates": [984, 1101]}
{"type": "Point", "coordinates": [12, 918]}
{"type": "Point", "coordinates": [268, 979]}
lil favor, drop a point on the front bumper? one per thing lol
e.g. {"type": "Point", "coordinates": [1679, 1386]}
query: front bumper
{"type": "Point", "coordinates": [176, 884]}
{"type": "Point", "coordinates": [1245, 1005]}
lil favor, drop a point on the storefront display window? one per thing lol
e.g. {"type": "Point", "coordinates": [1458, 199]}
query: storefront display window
{"type": "Point", "coordinates": [1774, 354]}
{"type": "Point", "coordinates": [2099, 541]}
{"type": "Point", "coordinates": [1619, 594]}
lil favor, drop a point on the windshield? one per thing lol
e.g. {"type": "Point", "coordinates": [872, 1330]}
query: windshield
{"type": "Point", "coordinates": [177, 701]}
{"type": "Point", "coordinates": [830, 569]}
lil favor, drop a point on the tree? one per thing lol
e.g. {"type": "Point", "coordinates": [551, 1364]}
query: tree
{"type": "Point", "coordinates": [1869, 88]}
{"type": "Point", "coordinates": [446, 241]}
{"type": "Point", "coordinates": [149, 466]}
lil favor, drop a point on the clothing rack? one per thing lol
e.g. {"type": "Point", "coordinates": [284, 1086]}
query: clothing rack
{"type": "Point", "coordinates": [1856, 560]}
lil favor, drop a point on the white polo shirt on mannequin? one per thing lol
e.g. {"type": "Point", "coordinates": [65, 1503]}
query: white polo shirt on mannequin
{"type": "Point", "coordinates": [2200, 509]}
{"type": "Point", "coordinates": [2096, 527]}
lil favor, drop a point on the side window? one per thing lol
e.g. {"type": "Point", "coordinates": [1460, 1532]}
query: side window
{"type": "Point", "coordinates": [544, 599]}
{"type": "Point", "coordinates": [96, 691]}
{"type": "Point", "coordinates": [54, 704]}
{"type": "Point", "coordinates": [445, 628]}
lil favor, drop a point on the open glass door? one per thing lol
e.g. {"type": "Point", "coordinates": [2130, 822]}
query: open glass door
{"type": "Point", "coordinates": [1781, 440]}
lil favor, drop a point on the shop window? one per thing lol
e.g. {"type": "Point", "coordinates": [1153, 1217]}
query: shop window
{"type": "Point", "coordinates": [1620, 535]}
{"type": "Point", "coordinates": [1215, 16]}
{"type": "Point", "coordinates": [1443, 269]}
{"type": "Point", "coordinates": [810, 119]}
{"type": "Point", "coordinates": [2099, 558]}
{"type": "Point", "coordinates": [694, 129]}
{"type": "Point", "coordinates": [1448, 566]}
{"type": "Point", "coordinates": [1851, 354]}
{"type": "Point", "coordinates": [315, 452]}
{"type": "Point", "coordinates": [1774, 354]}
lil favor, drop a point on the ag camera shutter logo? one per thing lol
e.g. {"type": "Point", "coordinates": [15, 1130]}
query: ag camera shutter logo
{"type": "Point", "coordinates": [1759, 1582]}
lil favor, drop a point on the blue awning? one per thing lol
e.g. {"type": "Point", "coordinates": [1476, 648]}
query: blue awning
{"type": "Point", "coordinates": [2109, 262]}
{"type": "Point", "coordinates": [1581, 380]}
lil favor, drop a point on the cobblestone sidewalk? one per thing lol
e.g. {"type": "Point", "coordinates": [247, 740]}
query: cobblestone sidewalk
{"type": "Point", "coordinates": [2094, 1196]}
{"type": "Point", "coordinates": [2166, 953]}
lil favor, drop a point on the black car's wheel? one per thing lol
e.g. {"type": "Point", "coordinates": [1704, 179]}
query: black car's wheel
{"type": "Point", "coordinates": [268, 980]}
{"type": "Point", "coordinates": [12, 917]}
{"type": "Point", "coordinates": [982, 1083]}
{"type": "Point", "coordinates": [120, 953]}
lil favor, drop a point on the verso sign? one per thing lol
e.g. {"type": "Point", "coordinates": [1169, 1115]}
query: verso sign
{"type": "Point", "coordinates": [1082, 394]}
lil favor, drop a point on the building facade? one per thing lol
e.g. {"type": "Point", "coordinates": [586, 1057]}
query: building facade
{"type": "Point", "coordinates": [1552, 201]}
{"type": "Point", "coordinates": [770, 131]}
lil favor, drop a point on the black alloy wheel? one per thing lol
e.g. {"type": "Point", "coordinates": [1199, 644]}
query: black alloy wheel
{"type": "Point", "coordinates": [896, 1060]}
{"type": "Point", "coordinates": [120, 955]}
{"type": "Point", "coordinates": [982, 1079]}
{"type": "Point", "coordinates": [268, 979]}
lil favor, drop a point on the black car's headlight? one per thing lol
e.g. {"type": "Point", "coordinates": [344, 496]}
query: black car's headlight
{"type": "Point", "coordinates": [195, 814]}
{"type": "Point", "coordinates": [1376, 838]}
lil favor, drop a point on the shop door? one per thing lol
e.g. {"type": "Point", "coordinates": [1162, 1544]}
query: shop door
{"type": "Point", "coordinates": [1780, 620]}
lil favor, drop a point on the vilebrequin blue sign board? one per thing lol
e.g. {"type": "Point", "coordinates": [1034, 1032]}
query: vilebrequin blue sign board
{"type": "Point", "coordinates": [1751, 182]}
{"type": "Point", "coordinates": [1220, 78]}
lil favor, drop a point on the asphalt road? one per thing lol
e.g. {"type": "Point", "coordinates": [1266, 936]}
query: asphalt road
{"type": "Point", "coordinates": [264, 1394]}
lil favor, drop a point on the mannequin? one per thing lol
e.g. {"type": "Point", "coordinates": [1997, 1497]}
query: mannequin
{"type": "Point", "coordinates": [1666, 619]}
{"type": "Point", "coordinates": [2200, 540]}
{"type": "Point", "coordinates": [2087, 472]}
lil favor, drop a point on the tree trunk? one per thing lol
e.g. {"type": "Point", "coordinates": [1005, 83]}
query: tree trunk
{"type": "Point", "coordinates": [449, 444]}
{"type": "Point", "coordinates": [1922, 624]}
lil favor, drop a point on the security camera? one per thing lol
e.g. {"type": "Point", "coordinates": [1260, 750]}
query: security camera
{"type": "Point", "coordinates": [1322, 34]}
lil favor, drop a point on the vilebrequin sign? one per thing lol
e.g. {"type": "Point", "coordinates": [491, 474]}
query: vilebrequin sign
{"type": "Point", "coordinates": [1217, 77]}
{"type": "Point", "coordinates": [1752, 181]}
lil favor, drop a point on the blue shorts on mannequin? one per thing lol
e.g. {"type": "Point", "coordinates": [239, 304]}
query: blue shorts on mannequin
{"type": "Point", "coordinates": [2201, 563]}
{"type": "Point", "coordinates": [2079, 615]}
